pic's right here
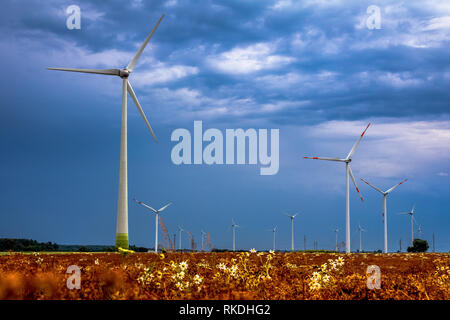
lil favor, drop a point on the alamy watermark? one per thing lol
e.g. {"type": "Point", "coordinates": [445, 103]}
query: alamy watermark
{"type": "Point", "coordinates": [73, 21]}
{"type": "Point", "coordinates": [374, 279]}
{"type": "Point", "coordinates": [235, 140]}
{"type": "Point", "coordinates": [74, 280]}
{"type": "Point", "coordinates": [374, 19]}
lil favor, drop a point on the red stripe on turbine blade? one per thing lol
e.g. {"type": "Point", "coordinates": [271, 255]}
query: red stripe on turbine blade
{"type": "Point", "coordinates": [315, 158]}
{"type": "Point", "coordinates": [365, 129]}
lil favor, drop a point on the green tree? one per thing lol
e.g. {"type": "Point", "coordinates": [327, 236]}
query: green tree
{"type": "Point", "coordinates": [419, 245]}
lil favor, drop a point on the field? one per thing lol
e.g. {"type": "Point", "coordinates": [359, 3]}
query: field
{"type": "Point", "coordinates": [240, 275]}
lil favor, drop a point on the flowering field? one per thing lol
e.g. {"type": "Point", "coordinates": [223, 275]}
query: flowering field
{"type": "Point", "coordinates": [240, 275]}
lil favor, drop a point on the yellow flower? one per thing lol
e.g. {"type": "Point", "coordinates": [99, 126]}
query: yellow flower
{"type": "Point", "coordinates": [161, 256]}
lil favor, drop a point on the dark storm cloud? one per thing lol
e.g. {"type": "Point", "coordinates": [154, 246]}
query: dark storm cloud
{"type": "Point", "coordinates": [252, 54]}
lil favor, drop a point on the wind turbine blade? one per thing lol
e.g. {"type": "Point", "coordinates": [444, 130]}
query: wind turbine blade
{"type": "Point", "coordinates": [323, 158]}
{"type": "Point", "coordinates": [354, 182]}
{"type": "Point", "coordinates": [352, 151]}
{"type": "Point", "coordinates": [145, 205]}
{"type": "Point", "coordinates": [133, 62]}
{"type": "Point", "coordinates": [165, 207]}
{"type": "Point", "coordinates": [372, 186]}
{"type": "Point", "coordinates": [403, 213]}
{"type": "Point", "coordinates": [391, 189]}
{"type": "Point", "coordinates": [111, 72]}
{"type": "Point", "coordinates": [295, 215]}
{"type": "Point", "coordinates": [135, 99]}
{"type": "Point", "coordinates": [414, 207]}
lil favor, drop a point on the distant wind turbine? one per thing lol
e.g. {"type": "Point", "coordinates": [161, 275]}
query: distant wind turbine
{"type": "Point", "coordinates": [274, 230]}
{"type": "Point", "coordinates": [348, 172]}
{"type": "Point", "coordinates": [337, 231]}
{"type": "Point", "coordinates": [234, 226]}
{"type": "Point", "coordinates": [419, 230]}
{"type": "Point", "coordinates": [385, 193]}
{"type": "Point", "coordinates": [203, 235]}
{"type": "Point", "coordinates": [361, 230]}
{"type": "Point", "coordinates": [292, 228]}
{"type": "Point", "coordinates": [411, 213]}
{"type": "Point", "coordinates": [180, 230]}
{"type": "Point", "coordinates": [156, 217]}
{"type": "Point", "coordinates": [122, 208]}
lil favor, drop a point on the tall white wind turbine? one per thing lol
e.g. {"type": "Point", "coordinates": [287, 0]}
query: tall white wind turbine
{"type": "Point", "coordinates": [292, 228]}
{"type": "Point", "coordinates": [411, 213]}
{"type": "Point", "coordinates": [122, 208]}
{"type": "Point", "coordinates": [385, 193]}
{"type": "Point", "coordinates": [180, 230]}
{"type": "Point", "coordinates": [361, 230]}
{"type": "Point", "coordinates": [234, 226]}
{"type": "Point", "coordinates": [156, 219]}
{"type": "Point", "coordinates": [348, 172]}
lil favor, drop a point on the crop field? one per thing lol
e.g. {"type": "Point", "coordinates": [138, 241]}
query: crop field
{"type": "Point", "coordinates": [240, 275]}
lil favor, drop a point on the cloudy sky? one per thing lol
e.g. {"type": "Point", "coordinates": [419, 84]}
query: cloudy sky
{"type": "Point", "coordinates": [312, 69]}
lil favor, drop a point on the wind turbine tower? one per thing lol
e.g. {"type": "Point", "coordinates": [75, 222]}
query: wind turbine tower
{"type": "Point", "coordinates": [292, 229]}
{"type": "Point", "coordinates": [385, 194]}
{"type": "Point", "coordinates": [203, 237]}
{"type": "Point", "coordinates": [348, 172]}
{"type": "Point", "coordinates": [122, 205]}
{"type": "Point", "coordinates": [180, 230]}
{"type": "Point", "coordinates": [361, 230]}
{"type": "Point", "coordinates": [234, 226]}
{"type": "Point", "coordinates": [337, 246]}
{"type": "Point", "coordinates": [411, 213]}
{"type": "Point", "coordinates": [157, 212]}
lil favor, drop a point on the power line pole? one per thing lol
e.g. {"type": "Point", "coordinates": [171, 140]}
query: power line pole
{"type": "Point", "coordinates": [304, 242]}
{"type": "Point", "coordinates": [400, 245]}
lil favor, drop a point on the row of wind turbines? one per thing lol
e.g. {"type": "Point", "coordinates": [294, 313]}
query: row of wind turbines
{"type": "Point", "coordinates": [360, 231]}
{"type": "Point", "coordinates": [122, 209]}
{"type": "Point", "coordinates": [348, 173]}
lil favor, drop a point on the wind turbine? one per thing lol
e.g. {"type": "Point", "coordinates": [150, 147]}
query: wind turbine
{"type": "Point", "coordinates": [385, 193]}
{"type": "Point", "coordinates": [419, 230]}
{"type": "Point", "coordinates": [336, 231]}
{"type": "Point", "coordinates": [274, 230]}
{"type": "Point", "coordinates": [180, 230]}
{"type": "Point", "coordinates": [348, 172]}
{"type": "Point", "coordinates": [156, 217]}
{"type": "Point", "coordinates": [122, 208]}
{"type": "Point", "coordinates": [234, 225]}
{"type": "Point", "coordinates": [203, 234]}
{"type": "Point", "coordinates": [361, 230]}
{"type": "Point", "coordinates": [411, 213]}
{"type": "Point", "coordinates": [292, 229]}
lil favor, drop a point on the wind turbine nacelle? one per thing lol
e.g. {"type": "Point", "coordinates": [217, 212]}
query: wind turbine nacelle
{"type": "Point", "coordinates": [124, 73]}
